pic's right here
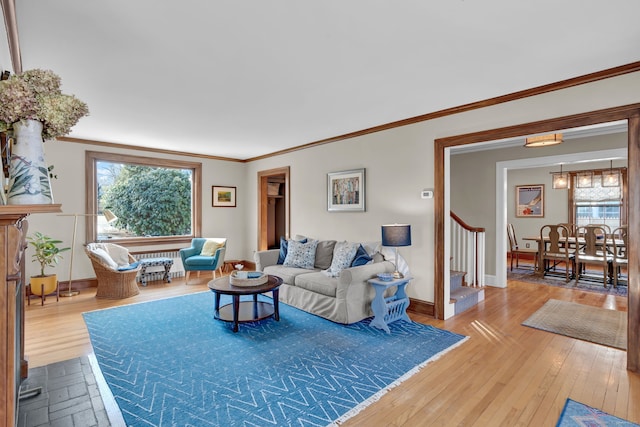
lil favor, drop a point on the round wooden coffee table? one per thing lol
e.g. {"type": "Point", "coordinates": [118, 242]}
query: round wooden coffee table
{"type": "Point", "coordinates": [245, 311]}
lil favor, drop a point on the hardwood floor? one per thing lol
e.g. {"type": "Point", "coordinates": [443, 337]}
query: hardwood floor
{"type": "Point", "coordinates": [506, 374]}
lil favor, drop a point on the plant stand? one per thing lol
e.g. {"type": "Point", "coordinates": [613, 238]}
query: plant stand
{"type": "Point", "coordinates": [42, 295]}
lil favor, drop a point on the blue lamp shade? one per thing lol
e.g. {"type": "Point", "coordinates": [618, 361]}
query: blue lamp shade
{"type": "Point", "coordinates": [396, 235]}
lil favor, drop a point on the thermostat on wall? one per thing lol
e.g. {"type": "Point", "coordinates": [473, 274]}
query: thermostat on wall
{"type": "Point", "coordinates": [426, 194]}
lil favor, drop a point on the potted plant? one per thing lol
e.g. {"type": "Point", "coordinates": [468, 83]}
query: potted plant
{"type": "Point", "coordinates": [47, 253]}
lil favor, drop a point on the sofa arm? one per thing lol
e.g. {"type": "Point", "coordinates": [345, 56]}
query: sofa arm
{"type": "Point", "coordinates": [363, 273]}
{"type": "Point", "coordinates": [266, 258]}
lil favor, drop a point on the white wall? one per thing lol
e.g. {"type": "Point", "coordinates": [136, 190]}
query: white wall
{"type": "Point", "coordinates": [555, 201]}
{"type": "Point", "coordinates": [473, 180]}
{"type": "Point", "coordinates": [69, 190]}
{"type": "Point", "coordinates": [398, 162]}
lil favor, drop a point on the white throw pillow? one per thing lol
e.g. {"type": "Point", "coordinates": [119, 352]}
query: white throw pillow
{"type": "Point", "coordinates": [301, 255]}
{"type": "Point", "coordinates": [119, 254]}
{"type": "Point", "coordinates": [104, 256]}
{"type": "Point", "coordinates": [343, 255]}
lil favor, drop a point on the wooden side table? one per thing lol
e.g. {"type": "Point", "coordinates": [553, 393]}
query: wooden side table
{"type": "Point", "coordinates": [392, 308]}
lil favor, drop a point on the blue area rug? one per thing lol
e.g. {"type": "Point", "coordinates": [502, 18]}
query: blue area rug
{"type": "Point", "coordinates": [170, 363]}
{"type": "Point", "coordinates": [576, 414]}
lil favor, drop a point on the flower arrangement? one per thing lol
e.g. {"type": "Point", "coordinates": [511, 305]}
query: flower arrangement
{"type": "Point", "coordinates": [35, 94]}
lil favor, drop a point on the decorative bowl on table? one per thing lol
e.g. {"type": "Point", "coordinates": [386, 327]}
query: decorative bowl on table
{"type": "Point", "coordinates": [247, 278]}
{"type": "Point", "coordinates": [385, 277]}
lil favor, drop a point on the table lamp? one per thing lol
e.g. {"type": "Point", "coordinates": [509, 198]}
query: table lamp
{"type": "Point", "coordinates": [396, 235]}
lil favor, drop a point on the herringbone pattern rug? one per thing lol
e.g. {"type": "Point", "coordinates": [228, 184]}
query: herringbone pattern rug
{"type": "Point", "coordinates": [169, 363]}
{"type": "Point", "coordinates": [598, 325]}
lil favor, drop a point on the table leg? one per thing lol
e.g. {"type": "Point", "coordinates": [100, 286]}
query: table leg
{"type": "Point", "coordinates": [276, 309]}
{"type": "Point", "coordinates": [143, 276]}
{"type": "Point", "coordinates": [379, 309]}
{"type": "Point", "coordinates": [167, 268]}
{"type": "Point", "coordinates": [216, 305]}
{"type": "Point", "coordinates": [540, 268]}
{"type": "Point", "coordinates": [255, 306]}
{"type": "Point", "coordinates": [236, 309]}
{"type": "Point", "coordinates": [400, 294]}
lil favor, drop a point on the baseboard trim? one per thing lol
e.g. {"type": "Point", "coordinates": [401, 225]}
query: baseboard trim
{"type": "Point", "coordinates": [78, 284]}
{"type": "Point", "coordinates": [421, 307]}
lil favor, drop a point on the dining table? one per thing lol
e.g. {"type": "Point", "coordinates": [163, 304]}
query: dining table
{"type": "Point", "coordinates": [572, 241]}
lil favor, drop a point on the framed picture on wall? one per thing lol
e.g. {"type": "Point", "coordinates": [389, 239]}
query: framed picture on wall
{"type": "Point", "coordinates": [224, 197]}
{"type": "Point", "coordinates": [345, 191]}
{"type": "Point", "coordinates": [530, 201]}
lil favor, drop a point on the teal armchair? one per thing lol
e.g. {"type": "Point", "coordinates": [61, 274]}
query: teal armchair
{"type": "Point", "coordinates": [203, 255]}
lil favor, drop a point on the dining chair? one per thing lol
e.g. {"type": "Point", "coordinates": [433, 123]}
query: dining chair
{"type": "Point", "coordinates": [571, 228]}
{"type": "Point", "coordinates": [605, 227]}
{"type": "Point", "coordinates": [620, 259]}
{"type": "Point", "coordinates": [556, 250]}
{"type": "Point", "coordinates": [515, 251]}
{"type": "Point", "coordinates": [593, 249]}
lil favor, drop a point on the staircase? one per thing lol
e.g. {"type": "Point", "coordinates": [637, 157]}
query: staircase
{"type": "Point", "coordinates": [463, 297]}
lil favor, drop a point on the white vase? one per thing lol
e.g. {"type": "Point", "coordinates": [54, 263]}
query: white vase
{"type": "Point", "coordinates": [29, 182]}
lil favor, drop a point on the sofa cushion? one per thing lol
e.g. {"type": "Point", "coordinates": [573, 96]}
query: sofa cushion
{"type": "Point", "coordinates": [301, 254]}
{"type": "Point", "coordinates": [377, 257]}
{"type": "Point", "coordinates": [343, 255]}
{"type": "Point", "coordinates": [284, 246]}
{"type": "Point", "coordinates": [318, 283]}
{"type": "Point", "coordinates": [361, 258]}
{"type": "Point", "coordinates": [288, 274]}
{"type": "Point", "coordinates": [324, 254]}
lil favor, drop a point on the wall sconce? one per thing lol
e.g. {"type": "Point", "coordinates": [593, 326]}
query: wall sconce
{"type": "Point", "coordinates": [611, 178]}
{"type": "Point", "coordinates": [560, 180]}
{"type": "Point", "coordinates": [584, 180]}
{"type": "Point", "coordinates": [543, 140]}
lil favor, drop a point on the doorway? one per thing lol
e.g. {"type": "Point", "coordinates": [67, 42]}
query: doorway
{"type": "Point", "coordinates": [273, 207]}
{"type": "Point", "coordinates": [441, 155]}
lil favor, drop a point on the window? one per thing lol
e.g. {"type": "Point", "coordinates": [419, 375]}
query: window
{"type": "Point", "coordinates": [598, 204]}
{"type": "Point", "coordinates": [142, 200]}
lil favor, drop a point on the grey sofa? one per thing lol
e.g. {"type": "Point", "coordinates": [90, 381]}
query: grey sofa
{"type": "Point", "coordinates": [345, 298]}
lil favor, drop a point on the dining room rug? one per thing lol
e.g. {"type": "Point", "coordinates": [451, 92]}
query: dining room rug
{"type": "Point", "coordinates": [527, 275]}
{"type": "Point", "coordinates": [587, 323]}
{"type": "Point", "coordinates": [576, 414]}
{"type": "Point", "coordinates": [170, 363]}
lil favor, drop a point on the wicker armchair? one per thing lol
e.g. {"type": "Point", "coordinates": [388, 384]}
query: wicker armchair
{"type": "Point", "coordinates": [113, 283]}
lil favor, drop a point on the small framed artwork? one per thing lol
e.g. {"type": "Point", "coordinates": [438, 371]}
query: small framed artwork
{"type": "Point", "coordinates": [345, 191]}
{"type": "Point", "coordinates": [530, 201]}
{"type": "Point", "coordinates": [223, 197]}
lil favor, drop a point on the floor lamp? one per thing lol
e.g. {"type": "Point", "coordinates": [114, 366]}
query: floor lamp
{"type": "Point", "coordinates": [110, 218]}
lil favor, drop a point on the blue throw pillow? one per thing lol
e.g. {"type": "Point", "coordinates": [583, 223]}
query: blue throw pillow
{"type": "Point", "coordinates": [361, 258]}
{"type": "Point", "coordinates": [284, 248]}
{"type": "Point", "coordinates": [131, 266]}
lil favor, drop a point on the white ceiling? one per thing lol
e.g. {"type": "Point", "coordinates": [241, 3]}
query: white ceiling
{"type": "Point", "coordinates": [241, 79]}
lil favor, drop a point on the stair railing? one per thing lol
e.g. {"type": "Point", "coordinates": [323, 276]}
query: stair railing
{"type": "Point", "coordinates": [467, 250]}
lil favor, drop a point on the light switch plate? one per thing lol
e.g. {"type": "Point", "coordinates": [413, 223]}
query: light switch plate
{"type": "Point", "coordinates": [426, 194]}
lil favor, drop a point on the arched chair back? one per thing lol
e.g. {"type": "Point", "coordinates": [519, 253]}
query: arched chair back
{"type": "Point", "coordinates": [594, 248]}
{"type": "Point", "coordinates": [557, 250]}
{"type": "Point", "coordinates": [515, 251]}
{"type": "Point", "coordinates": [620, 260]}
